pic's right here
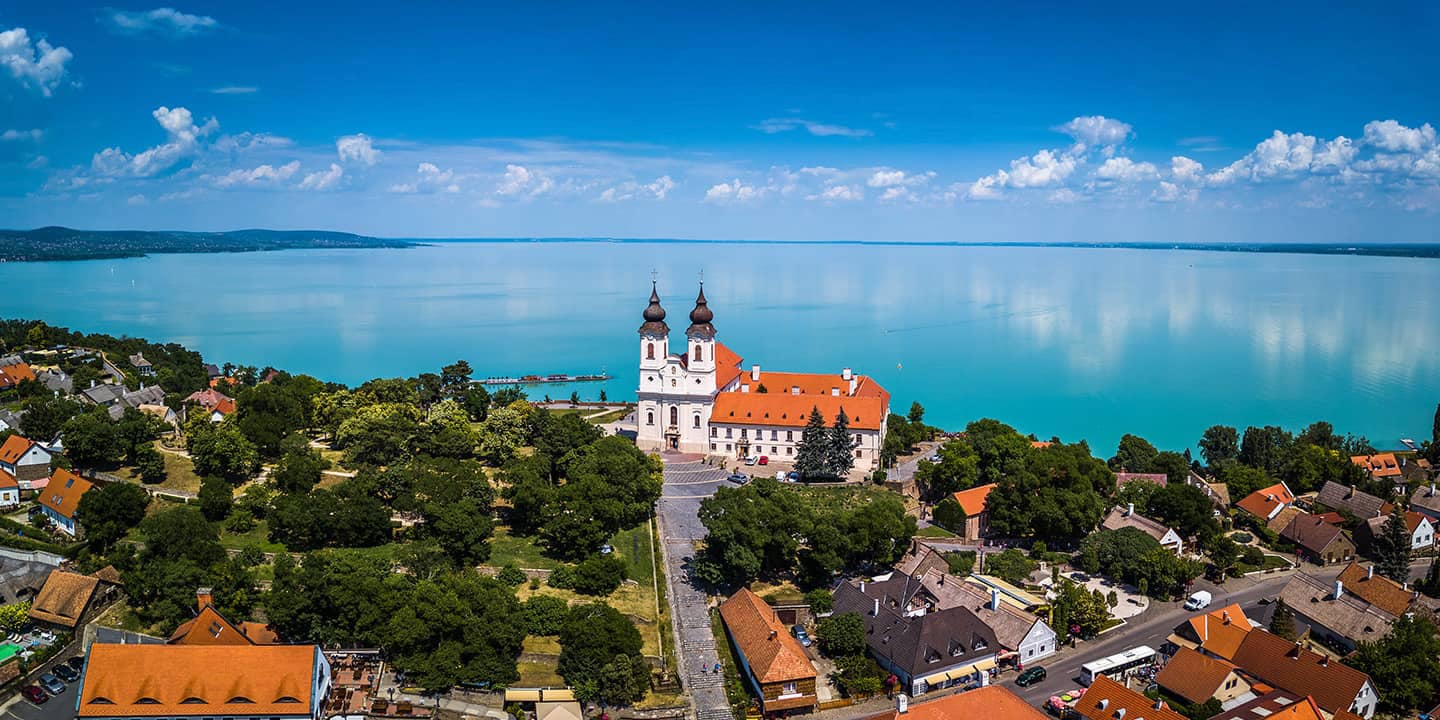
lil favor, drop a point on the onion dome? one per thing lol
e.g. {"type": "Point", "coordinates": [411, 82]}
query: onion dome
{"type": "Point", "coordinates": [701, 316]}
{"type": "Point", "coordinates": [654, 316]}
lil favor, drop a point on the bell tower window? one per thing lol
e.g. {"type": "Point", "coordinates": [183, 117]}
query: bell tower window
{"type": "Point", "coordinates": [650, 351]}
{"type": "Point", "coordinates": [696, 354]}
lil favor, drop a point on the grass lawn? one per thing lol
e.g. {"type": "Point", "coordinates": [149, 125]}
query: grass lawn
{"type": "Point", "coordinates": [541, 644]}
{"type": "Point", "coordinates": [610, 417]}
{"type": "Point", "coordinates": [256, 537]}
{"type": "Point", "coordinates": [523, 552]}
{"type": "Point", "coordinates": [934, 531]}
{"type": "Point", "coordinates": [785, 592]}
{"type": "Point", "coordinates": [1272, 562]}
{"type": "Point", "coordinates": [843, 497]}
{"type": "Point", "coordinates": [539, 675]}
{"type": "Point", "coordinates": [179, 474]}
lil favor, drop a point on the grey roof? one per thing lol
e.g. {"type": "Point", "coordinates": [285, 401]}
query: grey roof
{"type": "Point", "coordinates": [1311, 533]}
{"type": "Point", "coordinates": [1347, 616]}
{"type": "Point", "coordinates": [211, 370]}
{"type": "Point", "coordinates": [910, 638]}
{"type": "Point", "coordinates": [1122, 518]}
{"type": "Point", "coordinates": [104, 393]}
{"type": "Point", "coordinates": [1426, 497]}
{"type": "Point", "coordinates": [56, 381]}
{"type": "Point", "coordinates": [147, 395]}
{"type": "Point", "coordinates": [139, 361]}
{"type": "Point", "coordinates": [10, 420]}
{"type": "Point", "coordinates": [1341, 497]}
{"type": "Point", "coordinates": [116, 636]}
{"type": "Point", "coordinates": [7, 360]}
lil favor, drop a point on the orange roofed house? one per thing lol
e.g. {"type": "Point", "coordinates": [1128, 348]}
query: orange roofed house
{"type": "Point", "coordinates": [287, 682]}
{"type": "Point", "coordinates": [61, 497]}
{"type": "Point", "coordinates": [211, 628]}
{"type": "Point", "coordinates": [703, 400]}
{"type": "Point", "coordinates": [992, 702]}
{"type": "Point", "coordinates": [974, 503]}
{"type": "Point", "coordinates": [776, 667]}
{"type": "Point", "coordinates": [1109, 700]}
{"type": "Point", "coordinates": [1266, 503]}
{"type": "Point", "coordinates": [1217, 633]}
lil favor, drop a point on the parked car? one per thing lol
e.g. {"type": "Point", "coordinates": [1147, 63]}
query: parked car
{"type": "Point", "coordinates": [751, 460]}
{"type": "Point", "coordinates": [739, 478]}
{"type": "Point", "coordinates": [76, 663]}
{"type": "Point", "coordinates": [66, 673]}
{"type": "Point", "coordinates": [780, 475]}
{"type": "Point", "coordinates": [1198, 601]}
{"type": "Point", "coordinates": [52, 684]}
{"type": "Point", "coordinates": [935, 458]}
{"type": "Point", "coordinates": [792, 476]}
{"type": "Point", "coordinates": [34, 694]}
{"type": "Point", "coordinates": [764, 459]}
{"type": "Point", "coordinates": [1030, 676]}
{"type": "Point", "coordinates": [804, 637]}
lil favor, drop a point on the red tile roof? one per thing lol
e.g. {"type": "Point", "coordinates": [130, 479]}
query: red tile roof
{"type": "Point", "coordinates": [63, 598]}
{"type": "Point", "coordinates": [1221, 630]}
{"type": "Point", "coordinates": [8, 481]}
{"type": "Point", "coordinates": [1380, 465]}
{"type": "Point", "coordinates": [12, 375]}
{"type": "Point", "coordinates": [1378, 590]}
{"type": "Point", "coordinates": [973, 501]}
{"type": "Point", "coordinates": [1288, 666]}
{"type": "Point", "coordinates": [773, 655]}
{"type": "Point", "coordinates": [1193, 675]}
{"type": "Point", "coordinates": [1264, 501]}
{"type": "Point", "coordinates": [14, 448]}
{"type": "Point", "coordinates": [1109, 700]}
{"type": "Point", "coordinates": [63, 493]}
{"type": "Point", "coordinates": [992, 702]}
{"type": "Point", "coordinates": [727, 365]}
{"type": "Point", "coordinates": [786, 410]}
{"type": "Point", "coordinates": [211, 628]}
{"type": "Point", "coordinates": [198, 680]}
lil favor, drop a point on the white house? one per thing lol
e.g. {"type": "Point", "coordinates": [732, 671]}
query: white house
{"type": "Point", "coordinates": [24, 459]}
{"type": "Point", "coordinates": [1127, 517]}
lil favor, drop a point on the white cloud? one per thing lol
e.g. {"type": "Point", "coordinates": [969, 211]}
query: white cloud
{"type": "Point", "coordinates": [520, 181]}
{"type": "Point", "coordinates": [1183, 169]}
{"type": "Point", "coordinates": [772, 126]}
{"type": "Point", "coordinates": [1335, 156]}
{"type": "Point", "coordinates": [357, 148]}
{"type": "Point", "coordinates": [1096, 130]}
{"type": "Point", "coordinates": [1125, 170]}
{"type": "Point", "coordinates": [630, 190]}
{"type": "Point", "coordinates": [183, 137]}
{"type": "Point", "coordinates": [1279, 156]}
{"type": "Point", "coordinates": [1391, 136]}
{"type": "Point", "coordinates": [33, 135]}
{"type": "Point", "coordinates": [887, 177]}
{"type": "Point", "coordinates": [247, 141]}
{"type": "Point", "coordinates": [733, 191]}
{"type": "Point", "coordinates": [235, 90]}
{"type": "Point", "coordinates": [896, 193]}
{"type": "Point", "coordinates": [1168, 192]}
{"type": "Point", "coordinates": [1063, 196]}
{"type": "Point", "coordinates": [1043, 169]}
{"type": "Point", "coordinates": [839, 193]}
{"type": "Point", "coordinates": [988, 187]}
{"type": "Point", "coordinates": [260, 175]}
{"type": "Point", "coordinates": [136, 199]}
{"type": "Point", "coordinates": [38, 65]}
{"type": "Point", "coordinates": [429, 178]}
{"type": "Point", "coordinates": [323, 179]}
{"type": "Point", "coordinates": [165, 21]}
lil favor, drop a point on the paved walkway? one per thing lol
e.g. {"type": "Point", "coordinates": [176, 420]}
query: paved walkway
{"type": "Point", "coordinates": [687, 483]}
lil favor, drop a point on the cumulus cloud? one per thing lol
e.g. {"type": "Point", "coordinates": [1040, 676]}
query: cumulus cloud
{"type": "Point", "coordinates": [357, 148]}
{"type": "Point", "coordinates": [1168, 192]}
{"type": "Point", "coordinates": [889, 177]}
{"type": "Point", "coordinates": [248, 141]}
{"type": "Point", "coordinates": [36, 65]}
{"type": "Point", "coordinates": [734, 190]}
{"type": "Point", "coordinates": [32, 135]}
{"type": "Point", "coordinates": [258, 176]}
{"type": "Point", "coordinates": [1096, 131]}
{"type": "Point", "coordinates": [429, 178]}
{"type": "Point", "coordinates": [1391, 136]}
{"type": "Point", "coordinates": [1043, 169]}
{"type": "Point", "coordinates": [520, 181]}
{"type": "Point", "coordinates": [1183, 169]}
{"type": "Point", "coordinates": [839, 193]}
{"type": "Point", "coordinates": [163, 21]}
{"type": "Point", "coordinates": [1125, 170]}
{"type": "Point", "coordinates": [631, 190]}
{"type": "Point", "coordinates": [1063, 196]}
{"type": "Point", "coordinates": [772, 126]}
{"type": "Point", "coordinates": [323, 179]}
{"type": "Point", "coordinates": [182, 143]}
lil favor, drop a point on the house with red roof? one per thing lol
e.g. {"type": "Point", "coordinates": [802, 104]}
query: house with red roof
{"type": "Point", "coordinates": [776, 667]}
{"type": "Point", "coordinates": [1266, 503]}
{"type": "Point", "coordinates": [24, 460]}
{"type": "Point", "coordinates": [974, 503]}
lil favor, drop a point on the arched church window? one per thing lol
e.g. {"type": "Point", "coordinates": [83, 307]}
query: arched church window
{"type": "Point", "coordinates": [649, 351]}
{"type": "Point", "coordinates": [650, 418]}
{"type": "Point", "coordinates": [697, 421]}
{"type": "Point", "coordinates": [674, 416]}
{"type": "Point", "coordinates": [696, 354]}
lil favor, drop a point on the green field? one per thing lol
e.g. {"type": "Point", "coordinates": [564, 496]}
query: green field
{"type": "Point", "coordinates": [934, 531]}
{"type": "Point", "coordinates": [257, 537]}
{"type": "Point", "coordinates": [180, 474]}
{"type": "Point", "coordinates": [522, 552]}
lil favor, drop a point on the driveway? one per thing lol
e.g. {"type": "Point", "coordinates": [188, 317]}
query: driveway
{"type": "Point", "coordinates": [688, 482]}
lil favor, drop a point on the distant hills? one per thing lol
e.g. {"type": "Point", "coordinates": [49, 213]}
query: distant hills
{"type": "Point", "coordinates": [61, 243]}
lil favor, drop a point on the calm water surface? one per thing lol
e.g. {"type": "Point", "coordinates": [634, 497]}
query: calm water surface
{"type": "Point", "coordinates": [1079, 343]}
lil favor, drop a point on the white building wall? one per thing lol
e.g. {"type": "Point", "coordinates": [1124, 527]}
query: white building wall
{"type": "Point", "coordinates": [1040, 642]}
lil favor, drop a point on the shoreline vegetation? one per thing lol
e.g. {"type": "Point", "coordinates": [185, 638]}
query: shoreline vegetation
{"type": "Point", "coordinates": [60, 243]}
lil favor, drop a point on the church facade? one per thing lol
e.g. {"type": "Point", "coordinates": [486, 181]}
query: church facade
{"type": "Point", "coordinates": [703, 400]}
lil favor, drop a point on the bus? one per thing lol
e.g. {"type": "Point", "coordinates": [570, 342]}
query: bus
{"type": "Point", "coordinates": [1116, 666]}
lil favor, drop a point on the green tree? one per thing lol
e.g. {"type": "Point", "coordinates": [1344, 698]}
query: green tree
{"type": "Point", "coordinates": [545, 614]}
{"type": "Point", "coordinates": [378, 434]}
{"type": "Point", "coordinates": [460, 627]}
{"type": "Point", "coordinates": [812, 454]}
{"type": "Point", "coordinates": [1219, 445]}
{"type": "Point", "coordinates": [14, 615]}
{"type": "Point", "coordinates": [1434, 449]}
{"type": "Point", "coordinates": [503, 431]}
{"type": "Point", "coordinates": [181, 533]}
{"type": "Point", "coordinates": [949, 515]}
{"type": "Point", "coordinates": [592, 637]}
{"type": "Point", "coordinates": [1201, 711]}
{"type": "Point", "coordinates": [1392, 548]}
{"type": "Point", "coordinates": [1077, 612]}
{"type": "Point", "coordinates": [223, 451]}
{"type": "Point", "coordinates": [1134, 454]}
{"type": "Point", "coordinates": [858, 676]}
{"type": "Point", "coordinates": [150, 464]}
{"type": "Point", "coordinates": [1241, 480]}
{"type": "Point", "coordinates": [1222, 551]}
{"type": "Point", "coordinates": [1009, 565]}
{"type": "Point", "coordinates": [820, 600]}
{"type": "Point", "coordinates": [1182, 507]}
{"type": "Point", "coordinates": [598, 575]}
{"type": "Point", "coordinates": [1405, 665]}
{"type": "Point", "coordinates": [916, 414]}
{"type": "Point", "coordinates": [1430, 584]}
{"type": "Point", "coordinates": [958, 469]}
{"type": "Point", "coordinates": [300, 466]}
{"type": "Point", "coordinates": [463, 528]}
{"type": "Point", "coordinates": [45, 416]}
{"type": "Point", "coordinates": [216, 498]}
{"type": "Point", "coordinates": [962, 563]}
{"type": "Point", "coordinates": [842, 635]}
{"type": "Point", "coordinates": [1282, 623]}
{"type": "Point", "coordinates": [109, 511]}
{"type": "Point", "coordinates": [455, 379]}
{"type": "Point", "coordinates": [268, 412]}
{"type": "Point", "coordinates": [1054, 494]}
{"type": "Point", "coordinates": [91, 440]}
{"type": "Point", "coordinates": [1265, 448]}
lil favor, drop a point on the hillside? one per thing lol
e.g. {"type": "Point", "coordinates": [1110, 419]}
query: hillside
{"type": "Point", "coordinates": [60, 243]}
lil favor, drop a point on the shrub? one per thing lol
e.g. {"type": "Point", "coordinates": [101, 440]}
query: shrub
{"type": "Point", "coordinates": [1243, 538]}
{"type": "Point", "coordinates": [820, 601]}
{"type": "Point", "coordinates": [511, 575]}
{"type": "Point", "coordinates": [544, 614]}
{"type": "Point", "coordinates": [563, 578]}
{"type": "Point", "coordinates": [961, 563]}
{"type": "Point", "coordinates": [599, 575]}
{"type": "Point", "coordinates": [1253, 556]}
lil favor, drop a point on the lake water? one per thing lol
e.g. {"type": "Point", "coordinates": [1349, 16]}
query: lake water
{"type": "Point", "coordinates": [1079, 343]}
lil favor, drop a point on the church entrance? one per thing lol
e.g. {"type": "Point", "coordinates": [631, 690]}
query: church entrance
{"type": "Point", "coordinates": [672, 440]}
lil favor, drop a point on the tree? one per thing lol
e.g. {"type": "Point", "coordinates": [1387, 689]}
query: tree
{"type": "Point", "coordinates": [858, 675]}
{"type": "Point", "coordinates": [45, 416]}
{"type": "Point", "coordinates": [1241, 480]}
{"type": "Point", "coordinates": [14, 615]}
{"type": "Point", "coordinates": [455, 379]}
{"type": "Point", "coordinates": [1009, 565]}
{"type": "Point", "coordinates": [223, 451]}
{"type": "Point", "coordinates": [459, 627]}
{"type": "Point", "coordinates": [91, 440]}
{"type": "Point", "coordinates": [591, 637]}
{"type": "Point", "coordinates": [1182, 507]}
{"type": "Point", "coordinates": [1392, 548]}
{"type": "Point", "coordinates": [1134, 454]}
{"type": "Point", "coordinates": [216, 498]}
{"type": "Point", "coordinates": [1219, 445]}
{"type": "Point", "coordinates": [958, 469]}
{"type": "Point", "coordinates": [268, 412]}
{"type": "Point", "coordinates": [109, 511]}
{"type": "Point", "coordinates": [1430, 584]}
{"type": "Point", "coordinates": [812, 455]}
{"type": "Point", "coordinates": [1054, 493]}
{"type": "Point", "coordinates": [963, 562]}
{"type": "Point", "coordinates": [1434, 454]}
{"type": "Point", "coordinates": [378, 434]}
{"type": "Point", "coordinates": [545, 614]}
{"type": "Point", "coordinates": [949, 515]}
{"type": "Point", "coordinates": [1076, 611]}
{"type": "Point", "coordinates": [463, 528]}
{"type": "Point", "coordinates": [1201, 711]}
{"type": "Point", "coordinates": [1222, 551]}
{"type": "Point", "coordinates": [842, 635]}
{"type": "Point", "coordinates": [1265, 448]}
{"type": "Point", "coordinates": [1282, 623]}
{"type": "Point", "coordinates": [1405, 665]}
{"type": "Point", "coordinates": [150, 464]}
{"type": "Point", "coordinates": [300, 466]}
{"type": "Point", "coordinates": [916, 414]}
{"type": "Point", "coordinates": [181, 533]}
{"type": "Point", "coordinates": [820, 600]}
{"type": "Point", "coordinates": [503, 431]}
{"type": "Point", "coordinates": [598, 575]}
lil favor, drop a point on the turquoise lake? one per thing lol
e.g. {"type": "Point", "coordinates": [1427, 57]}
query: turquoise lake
{"type": "Point", "coordinates": [1079, 343]}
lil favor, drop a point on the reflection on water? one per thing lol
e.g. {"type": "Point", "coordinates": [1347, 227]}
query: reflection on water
{"type": "Point", "coordinates": [1069, 342]}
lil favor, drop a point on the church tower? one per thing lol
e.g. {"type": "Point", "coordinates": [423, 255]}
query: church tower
{"type": "Point", "coordinates": [654, 335]}
{"type": "Point", "coordinates": [700, 343]}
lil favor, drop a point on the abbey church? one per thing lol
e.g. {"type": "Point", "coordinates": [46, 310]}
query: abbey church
{"type": "Point", "coordinates": [702, 400]}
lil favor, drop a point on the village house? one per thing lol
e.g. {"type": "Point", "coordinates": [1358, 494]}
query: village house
{"type": "Point", "coordinates": [1217, 492]}
{"type": "Point", "coordinates": [204, 682]}
{"type": "Point", "coordinates": [926, 647]}
{"type": "Point", "coordinates": [1217, 633]}
{"type": "Point", "coordinates": [12, 375]}
{"type": "Point", "coordinates": [142, 365]}
{"type": "Point", "coordinates": [209, 627]}
{"type": "Point", "coordinates": [61, 497]}
{"type": "Point", "coordinates": [1286, 515]}
{"type": "Point", "coordinates": [1346, 499]}
{"type": "Point", "coordinates": [1107, 699]}
{"type": "Point", "coordinates": [9, 490]}
{"type": "Point", "coordinates": [1332, 615]}
{"type": "Point", "coordinates": [973, 503]}
{"type": "Point", "coordinates": [24, 459]}
{"type": "Point", "coordinates": [1266, 503]}
{"type": "Point", "coordinates": [67, 600]}
{"type": "Point", "coordinates": [1127, 517]}
{"type": "Point", "coordinates": [1426, 501]}
{"type": "Point", "coordinates": [1276, 705]}
{"type": "Point", "coordinates": [1417, 526]}
{"type": "Point", "coordinates": [1287, 665]}
{"type": "Point", "coordinates": [1318, 541]}
{"type": "Point", "coordinates": [1382, 592]}
{"type": "Point", "coordinates": [115, 398]}
{"type": "Point", "coordinates": [212, 401]}
{"type": "Point", "coordinates": [1195, 678]}
{"type": "Point", "coordinates": [10, 421]}
{"type": "Point", "coordinates": [992, 702]}
{"type": "Point", "coordinates": [776, 667]}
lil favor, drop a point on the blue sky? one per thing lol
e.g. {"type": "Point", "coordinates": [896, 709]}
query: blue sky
{"type": "Point", "coordinates": [1247, 122]}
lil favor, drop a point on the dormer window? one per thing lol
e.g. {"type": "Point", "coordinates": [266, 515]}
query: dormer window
{"type": "Point", "coordinates": [241, 700]}
{"type": "Point", "coordinates": [101, 701]}
{"type": "Point", "coordinates": [192, 700]}
{"type": "Point", "coordinates": [286, 699]}
{"type": "Point", "coordinates": [147, 701]}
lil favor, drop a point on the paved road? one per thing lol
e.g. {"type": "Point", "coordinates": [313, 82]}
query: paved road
{"type": "Point", "coordinates": [687, 482]}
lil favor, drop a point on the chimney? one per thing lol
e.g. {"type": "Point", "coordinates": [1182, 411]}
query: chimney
{"type": "Point", "coordinates": [772, 635]}
{"type": "Point", "coordinates": [854, 383]}
{"type": "Point", "coordinates": [862, 587]}
{"type": "Point", "coordinates": [1324, 661]}
{"type": "Point", "coordinates": [942, 579]}
{"type": "Point", "coordinates": [1339, 588]}
{"type": "Point", "coordinates": [203, 598]}
{"type": "Point", "coordinates": [794, 389]}
{"type": "Point", "coordinates": [1159, 705]}
{"type": "Point", "coordinates": [875, 611]}
{"type": "Point", "coordinates": [745, 388]}
{"type": "Point", "coordinates": [1225, 615]}
{"type": "Point", "coordinates": [835, 391]}
{"type": "Point", "coordinates": [1432, 487]}
{"type": "Point", "coordinates": [1129, 509]}
{"type": "Point", "coordinates": [846, 374]}
{"type": "Point", "coordinates": [994, 599]}
{"type": "Point", "coordinates": [902, 703]}
{"type": "Point", "coordinates": [1370, 572]}
{"type": "Point", "coordinates": [754, 373]}
{"type": "Point", "coordinates": [1294, 652]}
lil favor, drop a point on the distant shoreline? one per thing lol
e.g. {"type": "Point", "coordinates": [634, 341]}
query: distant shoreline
{"type": "Point", "coordinates": [60, 244]}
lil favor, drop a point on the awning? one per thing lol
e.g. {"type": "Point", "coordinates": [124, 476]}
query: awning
{"type": "Point", "coordinates": [522, 695]}
{"type": "Point", "coordinates": [959, 672]}
{"type": "Point", "coordinates": [558, 695]}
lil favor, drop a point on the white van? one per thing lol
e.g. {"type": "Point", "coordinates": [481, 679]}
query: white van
{"type": "Point", "coordinates": [1198, 601]}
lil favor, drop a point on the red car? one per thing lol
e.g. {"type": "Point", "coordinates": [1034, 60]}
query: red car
{"type": "Point", "coordinates": [764, 460]}
{"type": "Point", "coordinates": [34, 694]}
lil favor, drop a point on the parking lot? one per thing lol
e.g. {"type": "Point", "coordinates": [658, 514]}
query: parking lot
{"type": "Point", "coordinates": [60, 706]}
